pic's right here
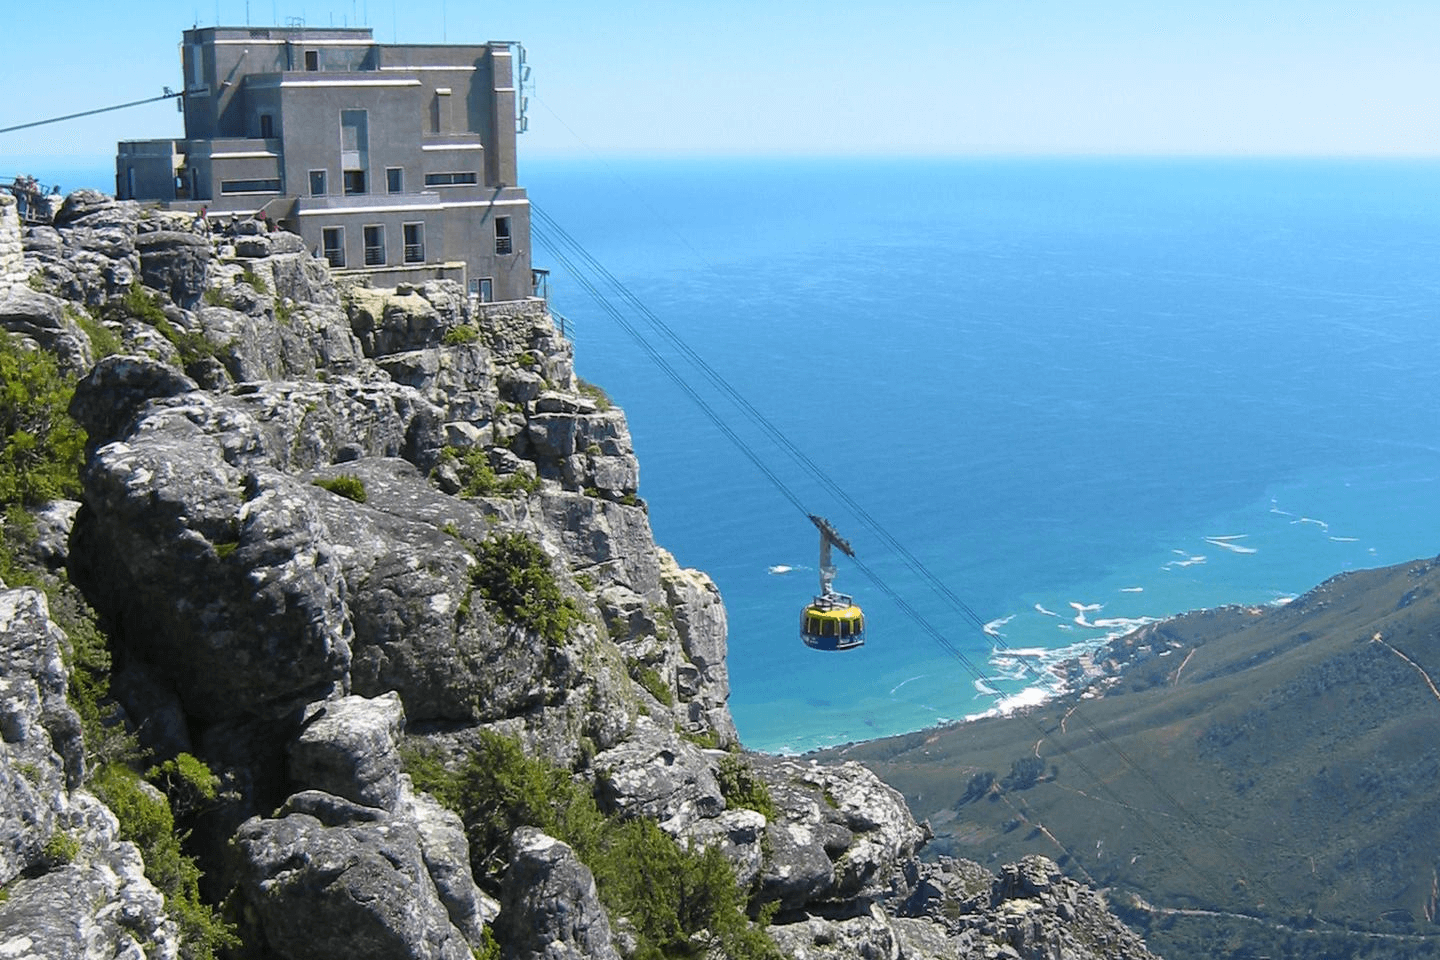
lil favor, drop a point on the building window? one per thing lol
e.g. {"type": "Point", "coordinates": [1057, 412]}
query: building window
{"type": "Point", "coordinates": [312, 60]}
{"type": "Point", "coordinates": [333, 239]}
{"type": "Point", "coordinates": [502, 236]}
{"type": "Point", "coordinates": [483, 289]}
{"type": "Point", "coordinates": [317, 183]}
{"type": "Point", "coordinates": [249, 186]}
{"type": "Point", "coordinates": [456, 179]}
{"type": "Point", "coordinates": [354, 149]}
{"type": "Point", "coordinates": [267, 126]}
{"type": "Point", "coordinates": [394, 180]}
{"type": "Point", "coordinates": [375, 246]}
{"type": "Point", "coordinates": [414, 243]}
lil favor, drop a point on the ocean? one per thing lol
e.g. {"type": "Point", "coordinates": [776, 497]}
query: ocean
{"type": "Point", "coordinates": [1083, 393]}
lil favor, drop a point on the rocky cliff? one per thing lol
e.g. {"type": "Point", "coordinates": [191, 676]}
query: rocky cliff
{"type": "Point", "coordinates": [343, 541]}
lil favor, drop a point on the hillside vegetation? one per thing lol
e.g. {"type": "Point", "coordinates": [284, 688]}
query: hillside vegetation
{"type": "Point", "coordinates": [1259, 782]}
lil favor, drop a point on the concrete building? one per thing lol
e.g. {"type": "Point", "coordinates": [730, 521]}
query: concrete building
{"type": "Point", "coordinates": [395, 161]}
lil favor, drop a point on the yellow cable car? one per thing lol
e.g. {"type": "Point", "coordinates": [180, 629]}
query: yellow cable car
{"type": "Point", "coordinates": [832, 621]}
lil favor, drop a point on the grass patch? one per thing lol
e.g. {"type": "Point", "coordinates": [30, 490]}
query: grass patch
{"type": "Point", "coordinates": [649, 678]}
{"type": "Point", "coordinates": [514, 577]}
{"type": "Point", "coordinates": [682, 902]}
{"type": "Point", "coordinates": [254, 281]}
{"type": "Point", "coordinates": [346, 485]}
{"type": "Point", "coordinates": [103, 341]}
{"type": "Point", "coordinates": [595, 393]}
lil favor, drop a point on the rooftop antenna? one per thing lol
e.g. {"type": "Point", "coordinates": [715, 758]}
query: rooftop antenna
{"type": "Point", "coordinates": [247, 13]}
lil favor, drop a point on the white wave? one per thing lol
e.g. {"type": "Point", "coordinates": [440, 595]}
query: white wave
{"type": "Point", "coordinates": [1189, 560]}
{"type": "Point", "coordinates": [982, 687]}
{"type": "Point", "coordinates": [1083, 608]}
{"type": "Point", "coordinates": [1029, 697]}
{"type": "Point", "coordinates": [993, 627]}
{"type": "Point", "coordinates": [1228, 543]}
{"type": "Point", "coordinates": [1132, 589]}
{"type": "Point", "coordinates": [1319, 523]}
{"type": "Point", "coordinates": [1028, 651]}
{"type": "Point", "coordinates": [781, 568]}
{"type": "Point", "coordinates": [903, 682]}
{"type": "Point", "coordinates": [1345, 539]}
{"type": "Point", "coordinates": [1048, 613]}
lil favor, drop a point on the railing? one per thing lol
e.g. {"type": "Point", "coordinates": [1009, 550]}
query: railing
{"type": "Point", "coordinates": [374, 255]}
{"type": "Point", "coordinates": [502, 245]}
{"type": "Point", "coordinates": [414, 253]}
{"type": "Point", "coordinates": [336, 256]}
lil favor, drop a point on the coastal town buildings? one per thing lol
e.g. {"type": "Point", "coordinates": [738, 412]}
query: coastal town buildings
{"type": "Point", "coordinates": [393, 161]}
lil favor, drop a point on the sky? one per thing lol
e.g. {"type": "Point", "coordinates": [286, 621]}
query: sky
{"type": "Point", "coordinates": [806, 77]}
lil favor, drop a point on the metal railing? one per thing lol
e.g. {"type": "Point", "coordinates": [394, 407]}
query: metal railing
{"type": "Point", "coordinates": [414, 253]}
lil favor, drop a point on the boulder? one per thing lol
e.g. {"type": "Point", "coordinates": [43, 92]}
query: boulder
{"type": "Point", "coordinates": [349, 746]}
{"type": "Point", "coordinates": [551, 910]}
{"type": "Point", "coordinates": [349, 889]}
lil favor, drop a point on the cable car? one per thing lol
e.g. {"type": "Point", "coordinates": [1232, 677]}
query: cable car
{"type": "Point", "coordinates": [832, 621]}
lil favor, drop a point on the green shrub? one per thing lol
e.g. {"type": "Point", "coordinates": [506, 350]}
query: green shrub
{"type": "Point", "coordinates": [61, 849]}
{"type": "Point", "coordinates": [187, 782]}
{"type": "Point", "coordinates": [215, 297]}
{"type": "Point", "coordinates": [741, 787]}
{"type": "Point", "coordinates": [147, 821]}
{"type": "Point", "coordinates": [595, 393]}
{"type": "Point", "coordinates": [514, 577]}
{"type": "Point", "coordinates": [462, 334]}
{"type": "Point", "coordinates": [40, 446]}
{"type": "Point", "coordinates": [527, 359]}
{"type": "Point", "coordinates": [479, 479]}
{"type": "Point", "coordinates": [143, 306]}
{"type": "Point", "coordinates": [346, 485]}
{"type": "Point", "coordinates": [682, 902]}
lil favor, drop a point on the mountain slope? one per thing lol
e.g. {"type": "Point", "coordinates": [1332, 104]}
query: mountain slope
{"type": "Point", "coordinates": [1281, 763]}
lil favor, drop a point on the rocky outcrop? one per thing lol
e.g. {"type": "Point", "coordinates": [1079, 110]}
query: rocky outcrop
{"type": "Point", "coordinates": [73, 887]}
{"type": "Point", "coordinates": [292, 493]}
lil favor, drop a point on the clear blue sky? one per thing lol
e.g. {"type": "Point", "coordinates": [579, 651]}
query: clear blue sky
{"type": "Point", "coordinates": [1307, 77]}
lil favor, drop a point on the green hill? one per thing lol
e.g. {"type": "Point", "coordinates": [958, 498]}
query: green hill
{"type": "Point", "coordinates": [1256, 782]}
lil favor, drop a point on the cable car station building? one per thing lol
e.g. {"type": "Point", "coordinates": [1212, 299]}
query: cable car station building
{"type": "Point", "coordinates": [393, 161]}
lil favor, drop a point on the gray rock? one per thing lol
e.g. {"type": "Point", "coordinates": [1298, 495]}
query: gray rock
{"type": "Point", "coordinates": [43, 756]}
{"type": "Point", "coordinates": [840, 836]}
{"type": "Point", "coordinates": [656, 774]}
{"type": "Point", "coordinates": [175, 263]}
{"type": "Point", "coordinates": [447, 858]}
{"type": "Point", "coordinates": [40, 318]}
{"type": "Point", "coordinates": [870, 936]}
{"type": "Point", "coordinates": [312, 891]}
{"type": "Point", "coordinates": [349, 746]}
{"type": "Point", "coordinates": [551, 910]}
{"type": "Point", "coordinates": [51, 546]}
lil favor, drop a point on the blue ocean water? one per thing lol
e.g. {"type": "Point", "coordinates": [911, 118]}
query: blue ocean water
{"type": "Point", "coordinates": [1082, 392]}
